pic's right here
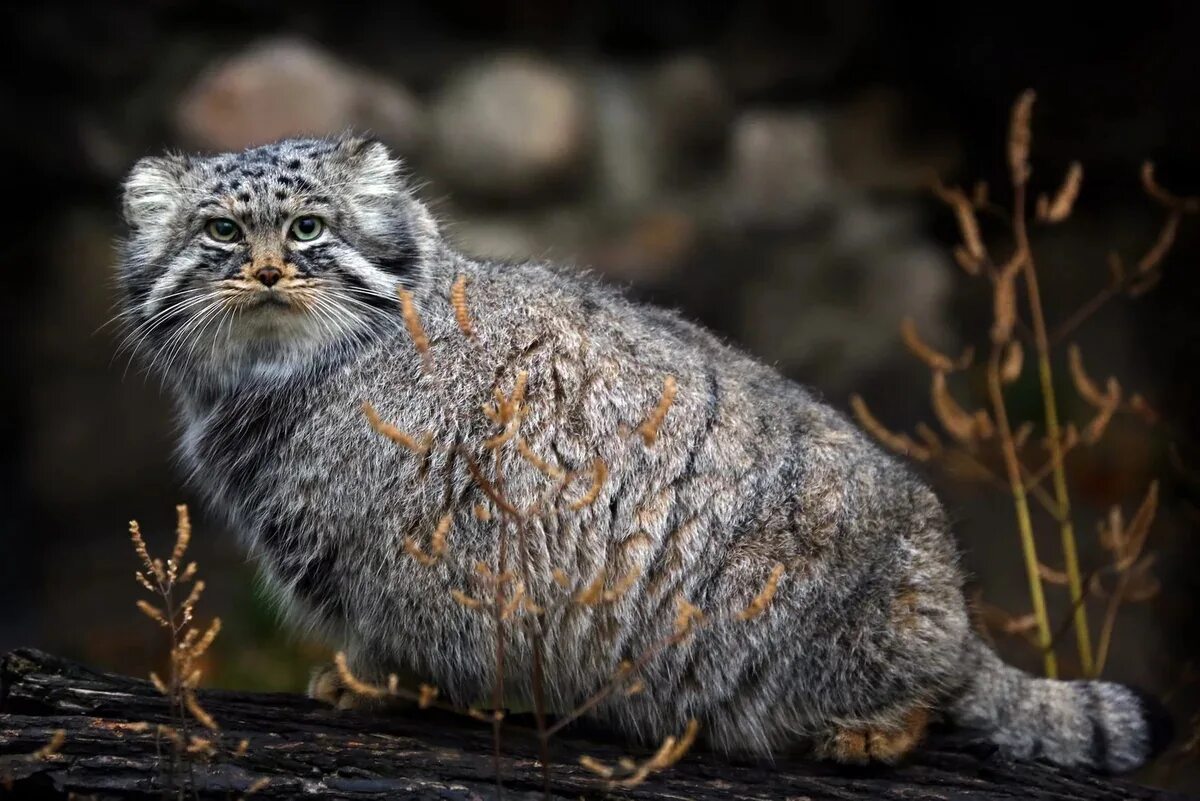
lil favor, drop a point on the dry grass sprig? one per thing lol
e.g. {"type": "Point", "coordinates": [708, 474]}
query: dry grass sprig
{"type": "Point", "coordinates": [437, 543]}
{"type": "Point", "coordinates": [1059, 208]}
{"type": "Point", "coordinates": [504, 436]}
{"type": "Point", "coordinates": [687, 616]}
{"type": "Point", "coordinates": [394, 434]}
{"type": "Point", "coordinates": [1106, 402]}
{"type": "Point", "coordinates": [465, 600]}
{"type": "Point", "coordinates": [763, 599]}
{"type": "Point", "coordinates": [153, 612]}
{"type": "Point", "coordinates": [1162, 245]}
{"type": "Point", "coordinates": [898, 442]}
{"type": "Point", "coordinates": [490, 489]}
{"type": "Point", "coordinates": [649, 427]}
{"type": "Point", "coordinates": [592, 593]}
{"type": "Point", "coordinates": [1005, 298]}
{"type": "Point", "coordinates": [974, 252]}
{"type": "Point", "coordinates": [257, 786]}
{"type": "Point", "coordinates": [670, 752]}
{"type": "Point", "coordinates": [623, 585]}
{"type": "Point", "coordinates": [935, 359]}
{"type": "Point", "coordinates": [965, 427]}
{"type": "Point", "coordinates": [199, 712]}
{"type": "Point", "coordinates": [1134, 581]}
{"type": "Point", "coordinates": [1013, 360]}
{"type": "Point", "coordinates": [352, 682]}
{"type": "Point", "coordinates": [514, 601]}
{"type": "Point", "coordinates": [458, 299]}
{"type": "Point", "coordinates": [541, 464]}
{"type": "Point", "coordinates": [1020, 135]}
{"type": "Point", "coordinates": [139, 546]}
{"type": "Point", "coordinates": [969, 430]}
{"type": "Point", "coordinates": [188, 644]}
{"type": "Point", "coordinates": [1186, 205]}
{"type": "Point", "coordinates": [1086, 387]}
{"type": "Point", "coordinates": [599, 476]}
{"type": "Point", "coordinates": [416, 331]}
{"type": "Point", "coordinates": [55, 744]}
{"type": "Point", "coordinates": [596, 766]}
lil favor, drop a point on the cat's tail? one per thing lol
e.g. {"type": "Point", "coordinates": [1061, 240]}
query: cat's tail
{"type": "Point", "coordinates": [1094, 724]}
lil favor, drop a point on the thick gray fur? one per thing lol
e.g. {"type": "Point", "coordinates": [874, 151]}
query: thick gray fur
{"type": "Point", "coordinates": [869, 620]}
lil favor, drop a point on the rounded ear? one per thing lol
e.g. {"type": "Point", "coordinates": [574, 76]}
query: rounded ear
{"type": "Point", "coordinates": [152, 189]}
{"type": "Point", "coordinates": [376, 171]}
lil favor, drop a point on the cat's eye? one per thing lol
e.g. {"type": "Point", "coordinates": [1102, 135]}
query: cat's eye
{"type": "Point", "coordinates": [223, 230]}
{"type": "Point", "coordinates": [307, 228]}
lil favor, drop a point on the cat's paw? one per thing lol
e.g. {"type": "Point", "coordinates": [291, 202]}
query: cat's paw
{"type": "Point", "coordinates": [887, 743]}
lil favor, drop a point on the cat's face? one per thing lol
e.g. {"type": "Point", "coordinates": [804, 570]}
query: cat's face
{"type": "Point", "coordinates": [254, 261]}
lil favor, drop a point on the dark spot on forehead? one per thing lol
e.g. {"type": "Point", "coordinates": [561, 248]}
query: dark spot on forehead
{"type": "Point", "coordinates": [294, 164]}
{"type": "Point", "coordinates": [285, 180]}
{"type": "Point", "coordinates": [235, 185]}
{"type": "Point", "coordinates": [244, 197]}
{"type": "Point", "coordinates": [218, 187]}
{"type": "Point", "coordinates": [281, 194]}
{"type": "Point", "coordinates": [304, 184]}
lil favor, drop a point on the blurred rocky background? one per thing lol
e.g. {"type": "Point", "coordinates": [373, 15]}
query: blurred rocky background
{"type": "Point", "coordinates": [763, 167]}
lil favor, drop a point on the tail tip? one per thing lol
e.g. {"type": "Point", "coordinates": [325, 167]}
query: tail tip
{"type": "Point", "coordinates": [1160, 728]}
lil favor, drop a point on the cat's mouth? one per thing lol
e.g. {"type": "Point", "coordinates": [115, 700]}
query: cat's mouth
{"type": "Point", "coordinates": [273, 299]}
{"type": "Point", "coordinates": [269, 300]}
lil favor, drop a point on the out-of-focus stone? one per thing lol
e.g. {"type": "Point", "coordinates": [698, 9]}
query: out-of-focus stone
{"type": "Point", "coordinates": [626, 148]}
{"type": "Point", "coordinates": [692, 111]}
{"type": "Point", "coordinates": [506, 239]}
{"type": "Point", "coordinates": [872, 150]}
{"type": "Point", "coordinates": [511, 127]}
{"type": "Point", "coordinates": [286, 87]}
{"type": "Point", "coordinates": [648, 250]}
{"type": "Point", "coordinates": [828, 304]}
{"type": "Point", "coordinates": [95, 433]}
{"type": "Point", "coordinates": [780, 170]}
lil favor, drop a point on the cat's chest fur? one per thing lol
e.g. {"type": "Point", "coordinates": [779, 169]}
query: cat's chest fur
{"type": "Point", "coordinates": [232, 446]}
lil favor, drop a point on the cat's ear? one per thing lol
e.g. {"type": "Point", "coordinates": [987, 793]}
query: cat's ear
{"type": "Point", "coordinates": [381, 193]}
{"type": "Point", "coordinates": [152, 190]}
{"type": "Point", "coordinates": [376, 171]}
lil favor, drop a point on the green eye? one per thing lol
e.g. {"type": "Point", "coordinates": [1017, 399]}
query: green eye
{"type": "Point", "coordinates": [307, 228]}
{"type": "Point", "coordinates": [224, 230]}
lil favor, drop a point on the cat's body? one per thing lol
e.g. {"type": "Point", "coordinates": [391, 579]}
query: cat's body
{"type": "Point", "coordinates": [867, 630]}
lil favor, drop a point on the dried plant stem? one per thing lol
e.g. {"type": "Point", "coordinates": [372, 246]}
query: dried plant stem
{"type": "Point", "coordinates": [611, 687]}
{"type": "Point", "coordinates": [1110, 621]}
{"type": "Point", "coordinates": [539, 696]}
{"type": "Point", "coordinates": [1021, 503]}
{"type": "Point", "coordinates": [1080, 315]}
{"type": "Point", "coordinates": [1053, 433]}
{"type": "Point", "coordinates": [499, 604]}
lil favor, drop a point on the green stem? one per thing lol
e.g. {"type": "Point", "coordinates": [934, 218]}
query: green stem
{"type": "Point", "coordinates": [1054, 434]}
{"type": "Point", "coordinates": [1024, 524]}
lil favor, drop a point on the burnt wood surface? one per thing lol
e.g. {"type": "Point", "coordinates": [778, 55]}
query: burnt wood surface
{"type": "Point", "coordinates": [304, 749]}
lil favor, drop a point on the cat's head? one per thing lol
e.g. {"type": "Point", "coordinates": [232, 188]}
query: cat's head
{"type": "Point", "coordinates": [252, 262]}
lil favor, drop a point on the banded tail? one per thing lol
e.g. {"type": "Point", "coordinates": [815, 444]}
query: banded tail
{"type": "Point", "coordinates": [1095, 724]}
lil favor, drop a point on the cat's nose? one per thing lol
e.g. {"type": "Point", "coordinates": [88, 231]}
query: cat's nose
{"type": "Point", "coordinates": [268, 276]}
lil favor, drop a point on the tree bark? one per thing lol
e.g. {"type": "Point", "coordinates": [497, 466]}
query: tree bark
{"type": "Point", "coordinates": [295, 747]}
